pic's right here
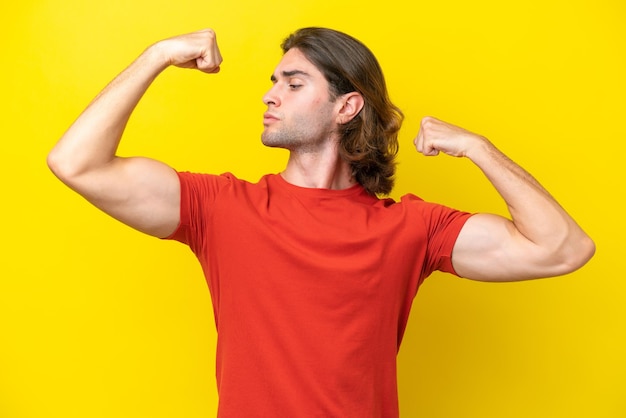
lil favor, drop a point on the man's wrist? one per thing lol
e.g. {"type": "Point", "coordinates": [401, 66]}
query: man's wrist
{"type": "Point", "coordinates": [155, 57]}
{"type": "Point", "coordinates": [481, 149]}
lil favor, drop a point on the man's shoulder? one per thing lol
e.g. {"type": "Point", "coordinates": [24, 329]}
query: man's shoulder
{"type": "Point", "coordinates": [223, 178]}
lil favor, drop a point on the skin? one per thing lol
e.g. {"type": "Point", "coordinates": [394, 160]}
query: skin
{"type": "Point", "coordinates": [540, 239]}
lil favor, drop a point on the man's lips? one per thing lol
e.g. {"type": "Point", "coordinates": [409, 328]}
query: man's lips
{"type": "Point", "coordinates": [269, 118]}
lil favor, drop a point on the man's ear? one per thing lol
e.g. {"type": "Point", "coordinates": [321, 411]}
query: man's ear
{"type": "Point", "coordinates": [351, 105]}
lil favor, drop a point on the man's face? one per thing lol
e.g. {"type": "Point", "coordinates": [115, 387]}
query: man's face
{"type": "Point", "coordinates": [300, 114]}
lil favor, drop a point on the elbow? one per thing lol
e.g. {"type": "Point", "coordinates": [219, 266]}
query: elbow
{"type": "Point", "coordinates": [578, 254]}
{"type": "Point", "coordinates": [62, 165]}
{"type": "Point", "coordinates": [57, 165]}
{"type": "Point", "coordinates": [53, 162]}
{"type": "Point", "coordinates": [587, 250]}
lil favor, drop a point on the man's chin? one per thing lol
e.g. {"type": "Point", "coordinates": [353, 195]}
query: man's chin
{"type": "Point", "coordinates": [268, 141]}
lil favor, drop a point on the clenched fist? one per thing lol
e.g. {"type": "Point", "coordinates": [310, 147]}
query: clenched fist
{"type": "Point", "coordinates": [196, 50]}
{"type": "Point", "coordinates": [437, 136]}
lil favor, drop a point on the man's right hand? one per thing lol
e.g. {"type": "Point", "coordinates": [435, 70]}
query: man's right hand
{"type": "Point", "coordinates": [196, 50]}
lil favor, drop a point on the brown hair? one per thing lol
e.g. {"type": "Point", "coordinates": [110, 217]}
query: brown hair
{"type": "Point", "coordinates": [369, 142]}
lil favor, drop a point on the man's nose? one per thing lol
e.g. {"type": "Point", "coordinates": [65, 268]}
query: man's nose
{"type": "Point", "coordinates": [271, 97]}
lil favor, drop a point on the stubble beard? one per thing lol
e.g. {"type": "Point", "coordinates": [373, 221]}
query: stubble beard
{"type": "Point", "coordinates": [281, 139]}
{"type": "Point", "coordinates": [300, 136]}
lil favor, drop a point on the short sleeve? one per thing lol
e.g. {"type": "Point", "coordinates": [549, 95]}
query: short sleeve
{"type": "Point", "coordinates": [197, 194]}
{"type": "Point", "coordinates": [442, 226]}
{"type": "Point", "coordinates": [444, 234]}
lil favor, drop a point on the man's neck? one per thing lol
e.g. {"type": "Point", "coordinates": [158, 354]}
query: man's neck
{"type": "Point", "coordinates": [318, 170]}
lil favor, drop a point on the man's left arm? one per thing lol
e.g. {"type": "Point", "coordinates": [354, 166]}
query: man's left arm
{"type": "Point", "coordinates": [540, 240]}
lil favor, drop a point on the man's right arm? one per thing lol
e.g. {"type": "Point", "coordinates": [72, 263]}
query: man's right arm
{"type": "Point", "coordinates": [141, 192]}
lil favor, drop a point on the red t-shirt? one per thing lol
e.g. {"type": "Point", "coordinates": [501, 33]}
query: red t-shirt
{"type": "Point", "coordinates": [311, 290]}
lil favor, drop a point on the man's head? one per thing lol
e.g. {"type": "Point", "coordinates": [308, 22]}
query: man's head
{"type": "Point", "coordinates": [368, 141]}
{"type": "Point", "coordinates": [302, 114]}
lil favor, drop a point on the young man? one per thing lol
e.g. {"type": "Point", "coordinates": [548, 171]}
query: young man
{"type": "Point", "coordinates": [311, 274]}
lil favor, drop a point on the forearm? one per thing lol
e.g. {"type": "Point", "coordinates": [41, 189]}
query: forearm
{"type": "Point", "coordinates": [535, 214]}
{"type": "Point", "coordinates": [92, 140]}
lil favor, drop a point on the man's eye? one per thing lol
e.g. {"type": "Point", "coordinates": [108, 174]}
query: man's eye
{"type": "Point", "coordinates": [295, 86]}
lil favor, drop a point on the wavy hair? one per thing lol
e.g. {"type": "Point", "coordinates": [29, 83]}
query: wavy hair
{"type": "Point", "coordinates": [369, 142]}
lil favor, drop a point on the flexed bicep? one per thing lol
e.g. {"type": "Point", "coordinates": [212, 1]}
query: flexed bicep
{"type": "Point", "coordinates": [489, 248]}
{"type": "Point", "coordinates": [140, 192]}
{"type": "Point", "coordinates": [539, 240]}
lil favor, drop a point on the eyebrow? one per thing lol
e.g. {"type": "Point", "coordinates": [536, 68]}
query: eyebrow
{"type": "Point", "coordinates": [290, 74]}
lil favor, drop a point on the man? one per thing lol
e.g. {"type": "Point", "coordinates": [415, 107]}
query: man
{"type": "Point", "coordinates": [311, 274]}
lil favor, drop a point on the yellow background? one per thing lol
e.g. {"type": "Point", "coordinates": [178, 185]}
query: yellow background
{"type": "Point", "coordinates": [97, 320]}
